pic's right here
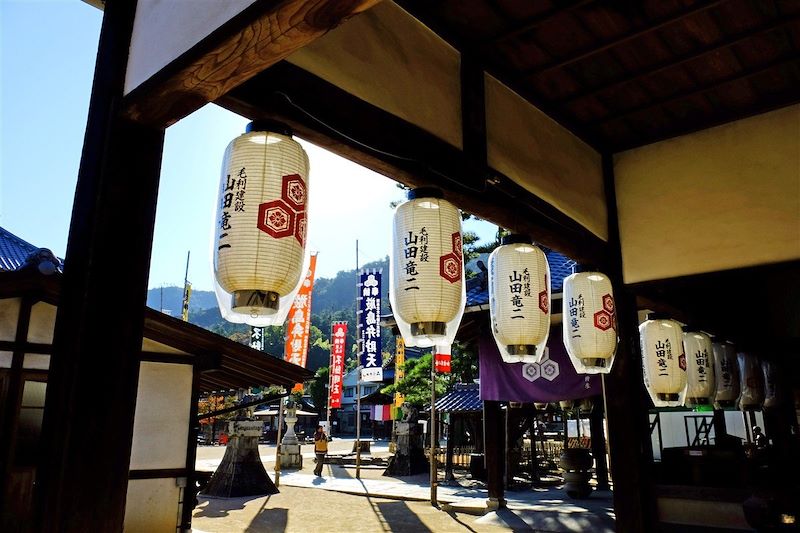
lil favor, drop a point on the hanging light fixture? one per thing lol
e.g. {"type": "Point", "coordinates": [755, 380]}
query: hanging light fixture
{"type": "Point", "coordinates": [426, 289]}
{"type": "Point", "coordinates": [700, 383]}
{"type": "Point", "coordinates": [726, 374]}
{"type": "Point", "coordinates": [751, 386]}
{"type": "Point", "coordinates": [519, 299]}
{"type": "Point", "coordinates": [260, 230]}
{"type": "Point", "coordinates": [663, 360]}
{"type": "Point", "coordinates": [590, 321]}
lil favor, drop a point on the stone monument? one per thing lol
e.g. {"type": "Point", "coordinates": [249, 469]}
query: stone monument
{"type": "Point", "coordinates": [290, 447]}
{"type": "Point", "coordinates": [409, 458]}
{"type": "Point", "coordinates": [241, 472]}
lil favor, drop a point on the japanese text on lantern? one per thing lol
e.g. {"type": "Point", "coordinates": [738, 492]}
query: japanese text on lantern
{"type": "Point", "coordinates": [577, 310]}
{"type": "Point", "coordinates": [338, 337]}
{"type": "Point", "coordinates": [663, 352]}
{"type": "Point", "coordinates": [516, 286]}
{"type": "Point", "coordinates": [701, 359]}
{"type": "Point", "coordinates": [370, 329]}
{"type": "Point", "coordinates": [415, 250]}
{"type": "Point", "coordinates": [232, 199]}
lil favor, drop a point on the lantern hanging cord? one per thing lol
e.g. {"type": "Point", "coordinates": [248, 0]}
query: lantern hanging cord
{"type": "Point", "coordinates": [377, 150]}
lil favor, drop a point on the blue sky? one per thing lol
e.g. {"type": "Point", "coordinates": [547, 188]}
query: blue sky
{"type": "Point", "coordinates": [47, 54]}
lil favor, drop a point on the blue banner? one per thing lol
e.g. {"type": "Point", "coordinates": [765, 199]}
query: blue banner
{"type": "Point", "coordinates": [369, 315]}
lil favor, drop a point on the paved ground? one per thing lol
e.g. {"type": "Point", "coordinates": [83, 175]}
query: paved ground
{"type": "Point", "coordinates": [340, 502]}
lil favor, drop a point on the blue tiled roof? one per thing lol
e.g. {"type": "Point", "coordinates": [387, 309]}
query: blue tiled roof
{"type": "Point", "coordinates": [15, 251]}
{"type": "Point", "coordinates": [560, 268]}
{"type": "Point", "coordinates": [465, 397]}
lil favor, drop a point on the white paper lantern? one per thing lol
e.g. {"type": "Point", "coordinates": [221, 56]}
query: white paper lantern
{"type": "Point", "coordinates": [664, 362]}
{"type": "Point", "coordinates": [700, 383]}
{"type": "Point", "coordinates": [519, 299]}
{"type": "Point", "coordinates": [260, 231]}
{"type": "Point", "coordinates": [589, 322]}
{"type": "Point", "coordinates": [726, 374]}
{"type": "Point", "coordinates": [426, 287]}
{"type": "Point", "coordinates": [751, 386]}
{"type": "Point", "coordinates": [772, 389]}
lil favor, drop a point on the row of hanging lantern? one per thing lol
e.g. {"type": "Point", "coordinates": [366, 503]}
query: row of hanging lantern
{"type": "Point", "coordinates": [260, 255]}
{"type": "Point", "coordinates": [684, 366]}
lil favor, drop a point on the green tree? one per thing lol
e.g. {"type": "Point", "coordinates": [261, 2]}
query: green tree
{"type": "Point", "coordinates": [416, 385]}
{"type": "Point", "coordinates": [317, 388]}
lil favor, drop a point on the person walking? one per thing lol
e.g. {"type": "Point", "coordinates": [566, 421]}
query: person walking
{"type": "Point", "coordinates": [320, 449]}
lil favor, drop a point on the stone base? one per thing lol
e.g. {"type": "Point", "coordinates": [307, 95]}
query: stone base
{"type": "Point", "coordinates": [409, 459]}
{"type": "Point", "coordinates": [291, 457]}
{"type": "Point", "coordinates": [241, 472]}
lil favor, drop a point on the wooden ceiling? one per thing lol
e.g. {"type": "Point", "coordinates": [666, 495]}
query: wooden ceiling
{"type": "Point", "coordinates": [626, 73]}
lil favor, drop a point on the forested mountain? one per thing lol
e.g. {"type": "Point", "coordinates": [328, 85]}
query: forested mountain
{"type": "Point", "coordinates": [333, 299]}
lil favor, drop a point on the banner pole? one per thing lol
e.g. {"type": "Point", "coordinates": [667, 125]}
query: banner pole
{"type": "Point", "coordinates": [433, 432]}
{"type": "Point", "coordinates": [358, 376]}
{"type": "Point", "coordinates": [278, 445]}
{"type": "Point", "coordinates": [330, 383]}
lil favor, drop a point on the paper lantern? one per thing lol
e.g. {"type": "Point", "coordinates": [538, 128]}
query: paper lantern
{"type": "Point", "coordinates": [700, 383]}
{"type": "Point", "coordinates": [726, 374]}
{"type": "Point", "coordinates": [260, 231]}
{"type": "Point", "coordinates": [589, 322]}
{"type": "Point", "coordinates": [751, 386]}
{"type": "Point", "coordinates": [426, 288]}
{"type": "Point", "coordinates": [772, 391]}
{"type": "Point", "coordinates": [519, 299]}
{"type": "Point", "coordinates": [566, 405]}
{"type": "Point", "coordinates": [663, 360]}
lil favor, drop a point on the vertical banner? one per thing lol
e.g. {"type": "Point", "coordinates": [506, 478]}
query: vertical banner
{"type": "Point", "coordinates": [187, 292]}
{"type": "Point", "coordinates": [369, 314]}
{"type": "Point", "coordinates": [441, 359]}
{"type": "Point", "coordinates": [257, 338]}
{"type": "Point", "coordinates": [338, 336]}
{"type": "Point", "coordinates": [298, 324]}
{"type": "Point", "coordinates": [399, 372]}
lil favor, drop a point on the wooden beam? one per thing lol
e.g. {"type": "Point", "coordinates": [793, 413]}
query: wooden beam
{"type": "Point", "coordinates": [329, 117]}
{"type": "Point", "coordinates": [596, 48]}
{"type": "Point", "coordinates": [260, 36]}
{"type": "Point", "coordinates": [494, 445]}
{"type": "Point", "coordinates": [626, 399]}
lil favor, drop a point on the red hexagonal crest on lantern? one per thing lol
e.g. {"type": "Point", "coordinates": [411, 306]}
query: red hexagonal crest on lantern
{"type": "Point", "coordinates": [300, 229]}
{"type": "Point", "coordinates": [458, 248]}
{"type": "Point", "coordinates": [293, 191]}
{"type": "Point", "coordinates": [275, 218]}
{"type": "Point", "coordinates": [450, 267]}
{"type": "Point", "coordinates": [608, 303]}
{"type": "Point", "coordinates": [602, 320]}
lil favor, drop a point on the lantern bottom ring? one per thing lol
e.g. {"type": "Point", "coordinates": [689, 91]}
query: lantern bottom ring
{"type": "Point", "coordinates": [668, 397]}
{"type": "Point", "coordinates": [255, 302]}
{"type": "Point", "coordinates": [698, 401]}
{"type": "Point", "coordinates": [521, 349]}
{"type": "Point", "coordinates": [595, 363]}
{"type": "Point", "coordinates": [428, 329]}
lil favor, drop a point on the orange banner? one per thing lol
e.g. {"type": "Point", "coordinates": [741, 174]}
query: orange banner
{"type": "Point", "coordinates": [298, 323]}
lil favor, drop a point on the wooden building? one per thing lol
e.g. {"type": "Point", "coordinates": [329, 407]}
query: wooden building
{"type": "Point", "coordinates": [659, 140]}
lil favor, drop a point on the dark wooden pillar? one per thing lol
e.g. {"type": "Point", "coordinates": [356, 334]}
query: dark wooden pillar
{"type": "Point", "coordinates": [86, 443]}
{"type": "Point", "coordinates": [494, 429]}
{"type": "Point", "coordinates": [626, 398]}
{"type": "Point", "coordinates": [599, 444]}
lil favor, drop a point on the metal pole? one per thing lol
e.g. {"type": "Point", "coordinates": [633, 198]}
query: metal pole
{"type": "Point", "coordinates": [433, 431]}
{"type": "Point", "coordinates": [278, 445]}
{"type": "Point", "coordinates": [358, 377]}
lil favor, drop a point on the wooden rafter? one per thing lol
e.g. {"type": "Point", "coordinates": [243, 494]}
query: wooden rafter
{"type": "Point", "coordinates": [672, 62]}
{"type": "Point", "coordinates": [534, 22]}
{"type": "Point", "coordinates": [597, 48]}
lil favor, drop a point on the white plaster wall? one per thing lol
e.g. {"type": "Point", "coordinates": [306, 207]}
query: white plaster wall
{"type": "Point", "coordinates": [9, 314]}
{"type": "Point", "coordinates": [152, 506]}
{"type": "Point", "coordinates": [161, 425]}
{"type": "Point", "coordinates": [165, 29]}
{"type": "Point", "coordinates": [43, 319]}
